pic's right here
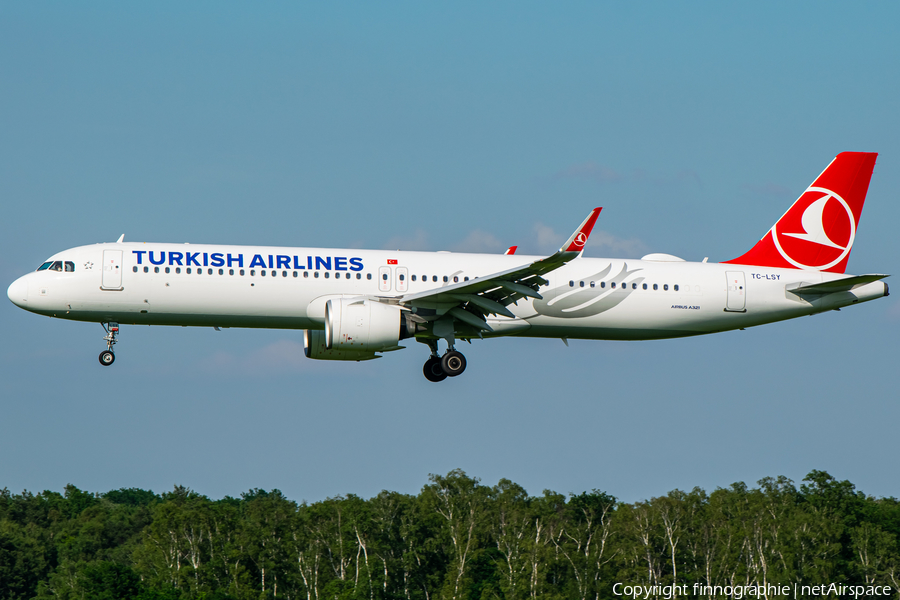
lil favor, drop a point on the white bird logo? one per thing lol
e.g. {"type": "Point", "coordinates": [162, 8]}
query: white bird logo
{"type": "Point", "coordinates": [813, 227]}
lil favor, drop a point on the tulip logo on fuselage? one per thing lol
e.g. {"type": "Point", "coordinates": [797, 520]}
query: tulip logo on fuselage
{"type": "Point", "coordinates": [818, 232]}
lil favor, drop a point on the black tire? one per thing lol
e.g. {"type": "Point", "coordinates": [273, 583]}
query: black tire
{"type": "Point", "coordinates": [453, 363]}
{"type": "Point", "coordinates": [433, 371]}
{"type": "Point", "coordinates": [107, 358]}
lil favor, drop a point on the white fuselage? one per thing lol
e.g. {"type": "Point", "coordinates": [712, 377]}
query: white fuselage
{"type": "Point", "coordinates": [277, 287]}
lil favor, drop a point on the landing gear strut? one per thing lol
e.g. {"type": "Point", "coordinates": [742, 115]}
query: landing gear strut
{"type": "Point", "coordinates": [438, 368]}
{"type": "Point", "coordinates": [107, 357]}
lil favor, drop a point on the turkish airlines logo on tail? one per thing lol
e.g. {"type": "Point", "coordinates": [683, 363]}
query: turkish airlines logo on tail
{"type": "Point", "coordinates": [818, 231]}
{"type": "Point", "coordinates": [580, 239]}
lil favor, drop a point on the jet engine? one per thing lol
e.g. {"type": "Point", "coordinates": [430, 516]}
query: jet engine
{"type": "Point", "coordinates": [314, 347]}
{"type": "Point", "coordinates": [357, 328]}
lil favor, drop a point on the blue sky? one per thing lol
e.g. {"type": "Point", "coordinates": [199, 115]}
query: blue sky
{"type": "Point", "coordinates": [463, 126]}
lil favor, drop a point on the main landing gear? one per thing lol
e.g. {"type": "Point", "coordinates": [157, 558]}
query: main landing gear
{"type": "Point", "coordinates": [438, 368]}
{"type": "Point", "coordinates": [107, 357]}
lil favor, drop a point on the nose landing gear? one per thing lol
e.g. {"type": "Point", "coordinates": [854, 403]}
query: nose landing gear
{"type": "Point", "coordinates": [107, 357]}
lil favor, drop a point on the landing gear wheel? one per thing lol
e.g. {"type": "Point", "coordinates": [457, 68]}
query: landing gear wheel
{"type": "Point", "coordinates": [453, 363]}
{"type": "Point", "coordinates": [433, 371]}
{"type": "Point", "coordinates": [107, 358]}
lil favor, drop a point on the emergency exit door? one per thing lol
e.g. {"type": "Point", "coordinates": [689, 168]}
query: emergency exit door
{"type": "Point", "coordinates": [112, 270]}
{"type": "Point", "coordinates": [736, 300]}
{"type": "Point", "coordinates": [402, 282]}
{"type": "Point", "coordinates": [384, 279]}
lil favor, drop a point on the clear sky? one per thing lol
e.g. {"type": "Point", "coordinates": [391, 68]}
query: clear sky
{"type": "Point", "coordinates": [454, 126]}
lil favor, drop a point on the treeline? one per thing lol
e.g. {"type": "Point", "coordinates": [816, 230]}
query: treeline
{"type": "Point", "coordinates": [456, 539]}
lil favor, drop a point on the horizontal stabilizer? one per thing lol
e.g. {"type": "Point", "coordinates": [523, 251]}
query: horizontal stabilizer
{"type": "Point", "coordinates": [838, 285]}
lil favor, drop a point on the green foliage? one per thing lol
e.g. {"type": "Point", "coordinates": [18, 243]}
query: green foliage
{"type": "Point", "coordinates": [131, 496]}
{"type": "Point", "coordinates": [457, 539]}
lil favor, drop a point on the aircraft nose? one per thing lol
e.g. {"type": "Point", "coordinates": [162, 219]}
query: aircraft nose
{"type": "Point", "coordinates": [18, 292]}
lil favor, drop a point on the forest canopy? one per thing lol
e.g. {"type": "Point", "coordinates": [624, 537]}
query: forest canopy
{"type": "Point", "coordinates": [456, 539]}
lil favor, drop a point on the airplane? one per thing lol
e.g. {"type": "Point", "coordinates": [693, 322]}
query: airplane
{"type": "Point", "coordinates": [357, 305]}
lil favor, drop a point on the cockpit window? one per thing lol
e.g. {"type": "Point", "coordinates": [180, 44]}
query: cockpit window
{"type": "Point", "coordinates": [56, 266]}
{"type": "Point", "coordinates": [70, 266]}
{"type": "Point", "coordinates": [44, 266]}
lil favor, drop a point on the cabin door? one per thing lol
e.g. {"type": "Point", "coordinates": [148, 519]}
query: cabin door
{"type": "Point", "coordinates": [736, 300]}
{"type": "Point", "coordinates": [112, 270]}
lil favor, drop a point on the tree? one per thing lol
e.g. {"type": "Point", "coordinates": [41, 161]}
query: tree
{"type": "Point", "coordinates": [460, 501]}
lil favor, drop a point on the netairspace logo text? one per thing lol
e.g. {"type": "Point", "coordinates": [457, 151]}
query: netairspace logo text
{"type": "Point", "coordinates": [668, 592]}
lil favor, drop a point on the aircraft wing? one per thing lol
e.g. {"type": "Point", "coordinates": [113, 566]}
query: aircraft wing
{"type": "Point", "coordinates": [470, 301]}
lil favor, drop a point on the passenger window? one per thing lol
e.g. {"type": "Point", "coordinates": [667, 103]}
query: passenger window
{"type": "Point", "coordinates": [274, 273]}
{"type": "Point", "coordinates": [156, 269]}
{"type": "Point", "coordinates": [384, 276]}
{"type": "Point", "coordinates": [634, 286]}
{"type": "Point", "coordinates": [221, 271]}
{"type": "Point", "coordinates": [188, 270]}
{"type": "Point", "coordinates": [305, 274]}
{"type": "Point", "coordinates": [613, 285]}
{"type": "Point", "coordinates": [592, 284]}
{"type": "Point", "coordinates": [177, 270]}
{"type": "Point", "coordinates": [241, 272]}
{"type": "Point", "coordinates": [327, 274]}
{"type": "Point", "coordinates": [581, 283]}
{"type": "Point", "coordinates": [434, 278]}
{"type": "Point", "coordinates": [666, 287]}
{"type": "Point", "coordinates": [359, 275]}
{"type": "Point", "coordinates": [167, 270]}
{"type": "Point", "coordinates": [465, 278]}
{"type": "Point", "coordinates": [602, 284]}
{"type": "Point", "coordinates": [284, 273]}
{"type": "Point", "coordinates": [645, 286]}
{"type": "Point", "coordinates": [455, 279]}
{"type": "Point", "coordinates": [675, 287]}
{"type": "Point", "coordinates": [262, 273]}
{"type": "Point", "coordinates": [316, 274]}
{"type": "Point", "coordinates": [209, 271]}
{"type": "Point", "coordinates": [413, 277]}
{"type": "Point", "coordinates": [347, 276]}
{"type": "Point", "coordinates": [44, 266]}
{"type": "Point", "coordinates": [296, 274]}
{"type": "Point", "coordinates": [252, 272]}
{"type": "Point", "coordinates": [446, 279]}
{"type": "Point", "coordinates": [402, 277]}
{"type": "Point", "coordinates": [231, 271]}
{"type": "Point", "coordinates": [655, 286]}
{"type": "Point", "coordinates": [134, 269]}
{"type": "Point", "coordinates": [70, 266]}
{"type": "Point", "coordinates": [571, 283]}
{"type": "Point", "coordinates": [368, 276]}
{"type": "Point", "coordinates": [146, 269]}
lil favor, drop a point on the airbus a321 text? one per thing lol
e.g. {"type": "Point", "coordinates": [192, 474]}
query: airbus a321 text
{"type": "Point", "coordinates": [358, 304]}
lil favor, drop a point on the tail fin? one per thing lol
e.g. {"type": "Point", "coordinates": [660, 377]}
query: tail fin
{"type": "Point", "coordinates": [817, 231]}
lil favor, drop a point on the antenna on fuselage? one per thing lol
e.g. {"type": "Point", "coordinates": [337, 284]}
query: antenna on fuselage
{"type": "Point", "coordinates": [121, 239]}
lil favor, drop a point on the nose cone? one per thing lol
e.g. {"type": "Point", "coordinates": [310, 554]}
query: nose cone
{"type": "Point", "coordinates": [18, 292]}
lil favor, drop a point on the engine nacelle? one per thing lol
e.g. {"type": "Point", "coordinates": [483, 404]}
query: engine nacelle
{"type": "Point", "coordinates": [314, 347]}
{"type": "Point", "coordinates": [362, 324]}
